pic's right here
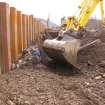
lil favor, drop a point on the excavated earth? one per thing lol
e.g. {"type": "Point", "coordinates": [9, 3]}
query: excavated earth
{"type": "Point", "coordinates": [57, 84]}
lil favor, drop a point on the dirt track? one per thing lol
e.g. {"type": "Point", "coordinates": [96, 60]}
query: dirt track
{"type": "Point", "coordinates": [59, 85]}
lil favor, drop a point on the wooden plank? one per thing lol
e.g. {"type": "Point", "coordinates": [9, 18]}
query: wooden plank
{"type": "Point", "coordinates": [19, 32]}
{"type": "Point", "coordinates": [5, 52]}
{"type": "Point", "coordinates": [13, 34]}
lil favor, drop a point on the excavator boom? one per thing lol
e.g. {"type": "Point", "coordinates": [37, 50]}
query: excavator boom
{"type": "Point", "coordinates": [86, 9]}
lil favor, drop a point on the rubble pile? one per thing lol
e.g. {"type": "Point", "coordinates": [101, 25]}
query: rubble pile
{"type": "Point", "coordinates": [31, 57]}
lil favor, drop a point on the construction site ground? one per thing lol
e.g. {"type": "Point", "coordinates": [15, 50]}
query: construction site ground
{"type": "Point", "coordinates": [57, 84]}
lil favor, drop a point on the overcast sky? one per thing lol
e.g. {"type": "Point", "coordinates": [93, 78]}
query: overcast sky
{"type": "Point", "coordinates": [55, 8]}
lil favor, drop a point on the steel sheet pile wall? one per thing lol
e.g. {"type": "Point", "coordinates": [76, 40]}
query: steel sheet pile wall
{"type": "Point", "coordinates": [17, 32]}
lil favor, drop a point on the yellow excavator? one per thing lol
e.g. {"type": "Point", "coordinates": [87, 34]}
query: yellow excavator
{"type": "Point", "coordinates": [65, 47]}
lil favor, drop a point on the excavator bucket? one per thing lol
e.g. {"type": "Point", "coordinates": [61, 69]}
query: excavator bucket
{"type": "Point", "coordinates": [63, 50]}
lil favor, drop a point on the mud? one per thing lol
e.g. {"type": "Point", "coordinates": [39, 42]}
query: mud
{"type": "Point", "coordinates": [55, 84]}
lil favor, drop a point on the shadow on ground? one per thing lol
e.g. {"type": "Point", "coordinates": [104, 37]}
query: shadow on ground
{"type": "Point", "coordinates": [63, 69]}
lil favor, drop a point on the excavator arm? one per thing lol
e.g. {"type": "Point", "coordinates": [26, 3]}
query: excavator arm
{"type": "Point", "coordinates": [86, 9]}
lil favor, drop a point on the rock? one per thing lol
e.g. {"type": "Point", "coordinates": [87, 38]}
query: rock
{"type": "Point", "coordinates": [13, 66]}
{"type": "Point", "coordinates": [21, 63]}
{"type": "Point", "coordinates": [102, 64]}
{"type": "Point", "coordinates": [24, 52]}
{"type": "Point", "coordinates": [19, 99]}
{"type": "Point", "coordinates": [89, 63]}
{"type": "Point", "coordinates": [87, 83]}
{"type": "Point", "coordinates": [26, 103]}
{"type": "Point", "coordinates": [18, 66]}
{"type": "Point", "coordinates": [40, 89]}
{"type": "Point", "coordinates": [103, 75]}
{"type": "Point", "coordinates": [98, 77]}
{"type": "Point", "coordinates": [24, 62]}
{"type": "Point", "coordinates": [30, 58]}
{"type": "Point", "coordinates": [9, 102]}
